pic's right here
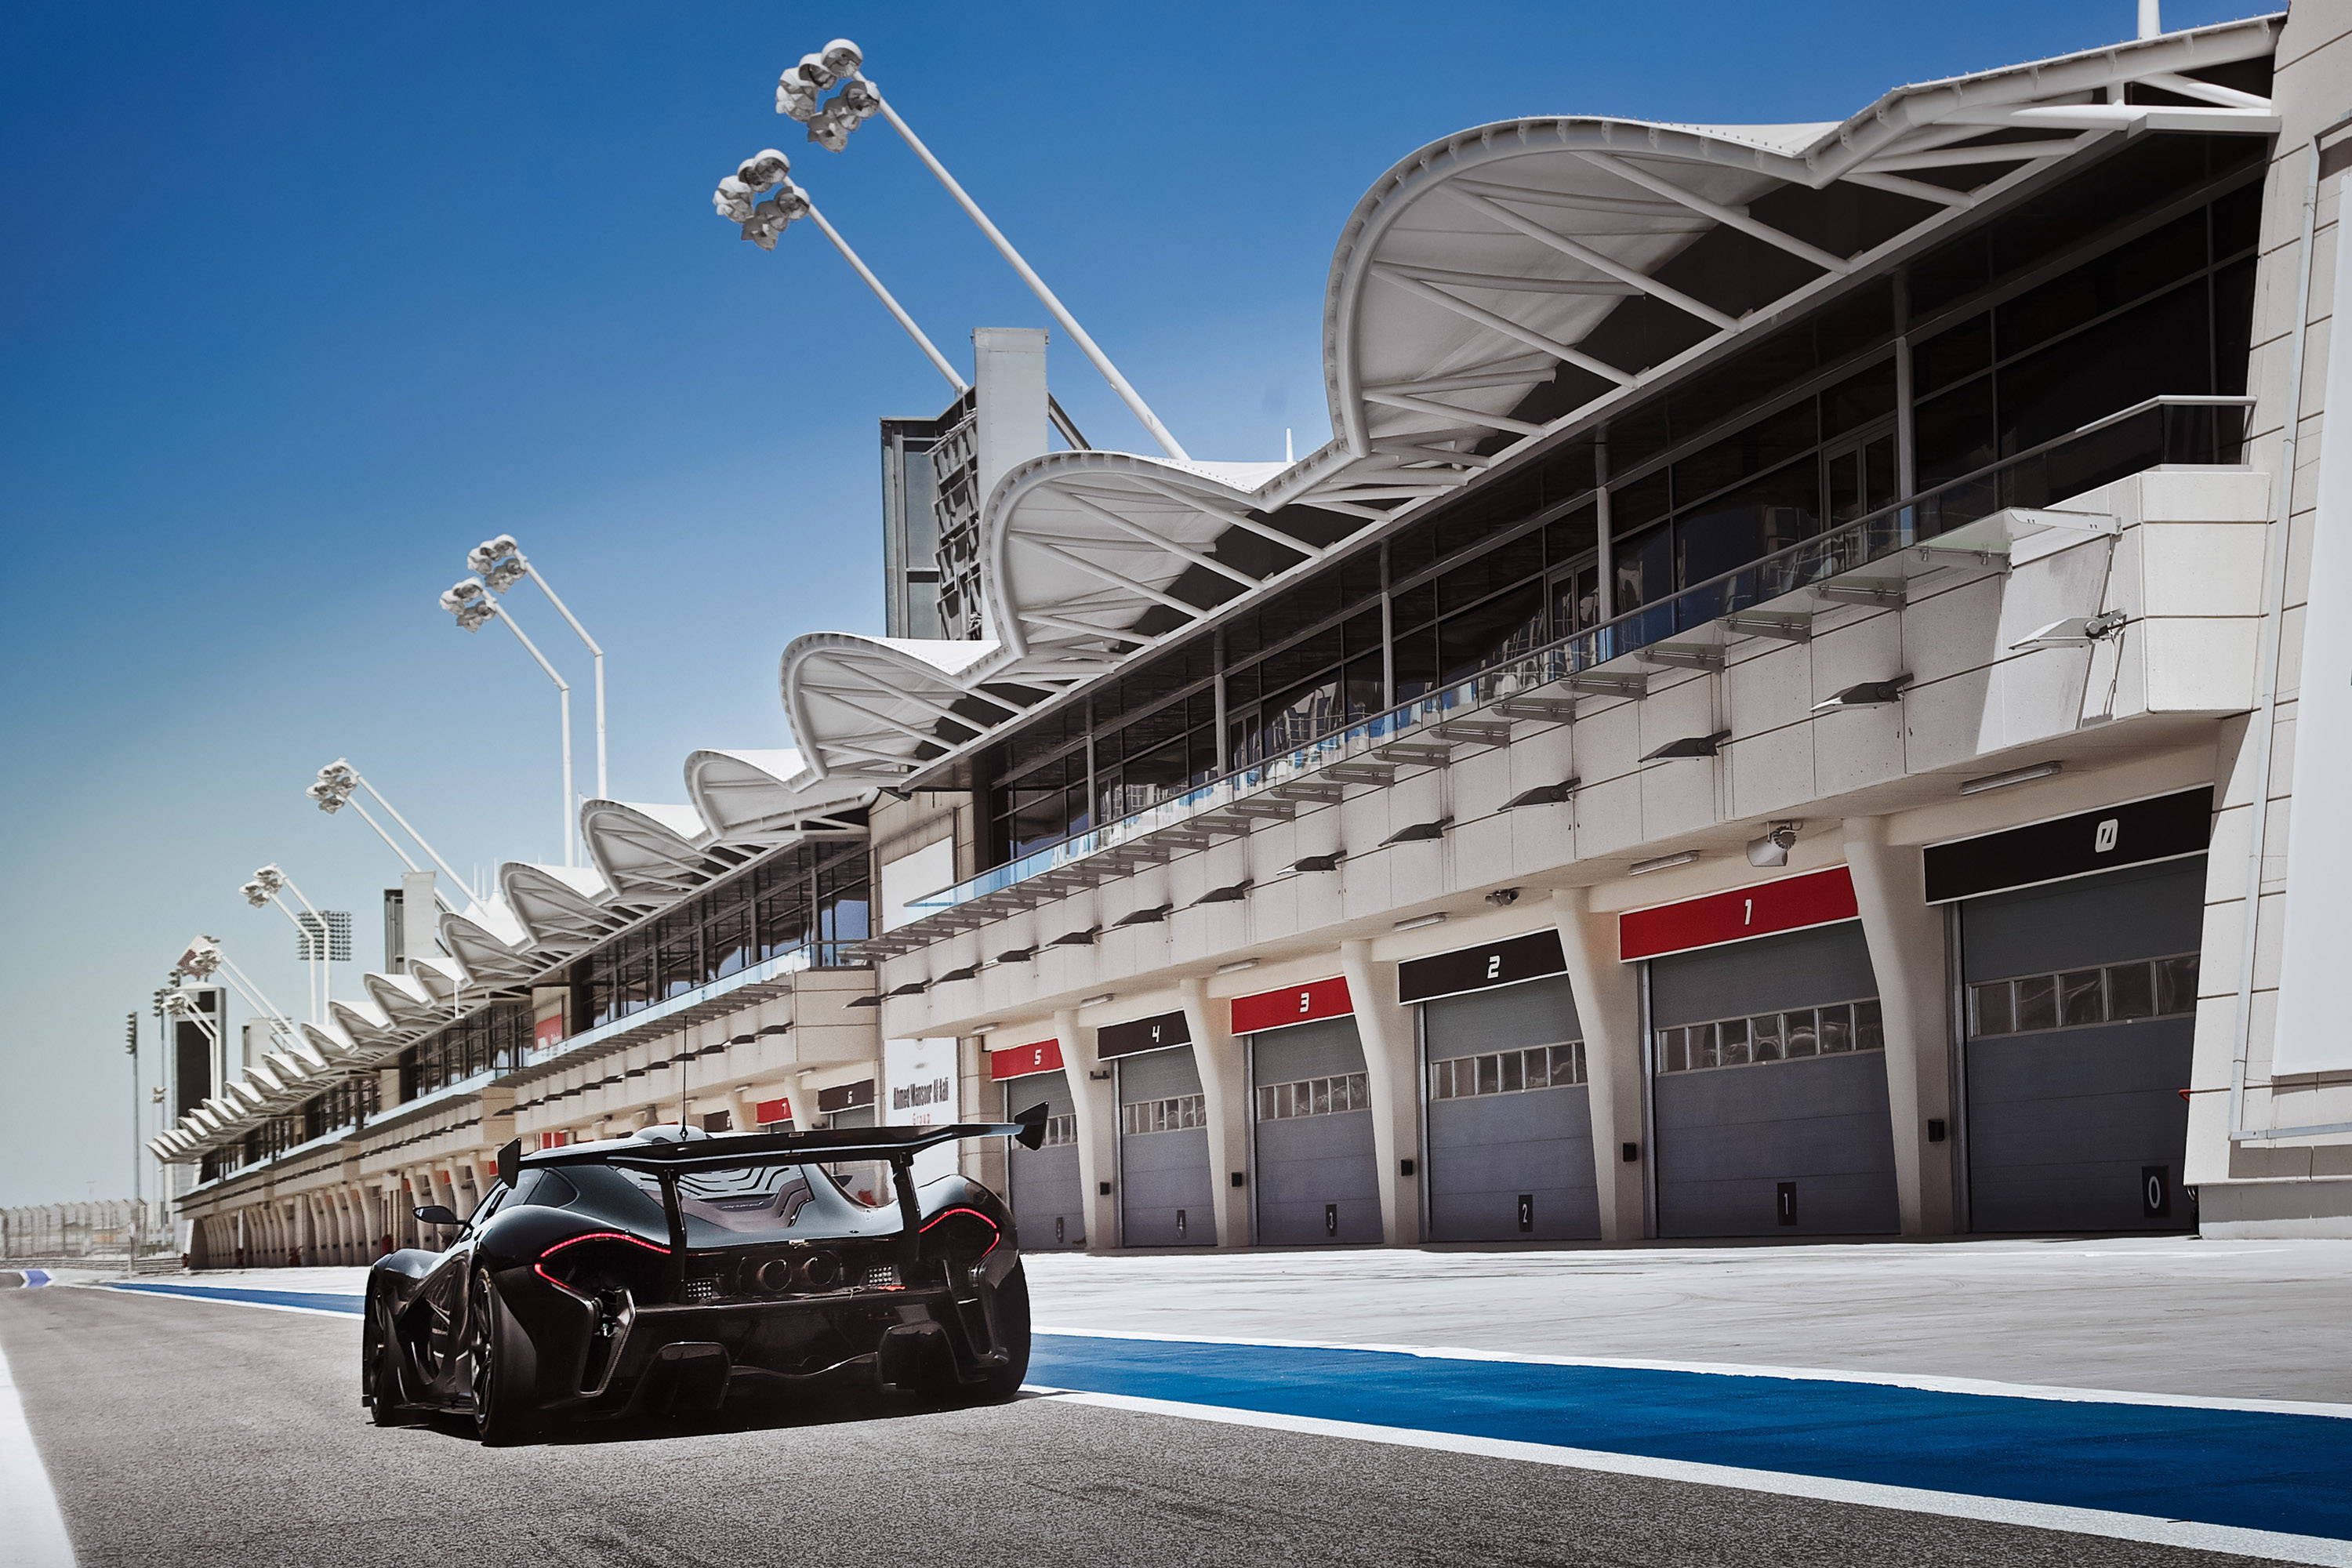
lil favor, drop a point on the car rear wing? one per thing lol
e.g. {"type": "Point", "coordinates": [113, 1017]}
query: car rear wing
{"type": "Point", "coordinates": [666, 1162]}
{"type": "Point", "coordinates": [723, 1151]}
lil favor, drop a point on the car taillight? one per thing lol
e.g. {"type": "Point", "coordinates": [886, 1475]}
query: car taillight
{"type": "Point", "coordinates": [601, 1260]}
{"type": "Point", "coordinates": [967, 1231]}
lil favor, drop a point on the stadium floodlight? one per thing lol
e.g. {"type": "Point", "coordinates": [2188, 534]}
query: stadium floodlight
{"type": "Point", "coordinates": [315, 933]}
{"type": "Point", "coordinates": [471, 602]}
{"type": "Point", "coordinates": [502, 565]}
{"type": "Point", "coordinates": [763, 222]}
{"type": "Point", "coordinates": [334, 790]}
{"type": "Point", "coordinates": [829, 127]}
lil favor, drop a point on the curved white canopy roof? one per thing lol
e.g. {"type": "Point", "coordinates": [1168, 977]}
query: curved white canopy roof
{"type": "Point", "coordinates": [765, 797]}
{"type": "Point", "coordinates": [648, 854]}
{"type": "Point", "coordinates": [560, 905]}
{"type": "Point", "coordinates": [1462, 322]}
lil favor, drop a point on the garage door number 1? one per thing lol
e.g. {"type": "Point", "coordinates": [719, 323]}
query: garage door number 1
{"type": "Point", "coordinates": [1748, 916]}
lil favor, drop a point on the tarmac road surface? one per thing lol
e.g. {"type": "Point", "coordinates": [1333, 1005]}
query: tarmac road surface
{"type": "Point", "coordinates": [186, 1430]}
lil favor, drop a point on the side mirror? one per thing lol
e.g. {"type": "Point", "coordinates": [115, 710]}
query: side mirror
{"type": "Point", "coordinates": [436, 1214]}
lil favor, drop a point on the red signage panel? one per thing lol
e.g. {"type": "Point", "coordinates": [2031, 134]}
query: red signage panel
{"type": "Point", "coordinates": [1292, 1004]}
{"type": "Point", "coordinates": [772, 1110]}
{"type": "Point", "coordinates": [548, 1033]}
{"type": "Point", "coordinates": [1792, 903]}
{"type": "Point", "coordinates": [1020, 1061]}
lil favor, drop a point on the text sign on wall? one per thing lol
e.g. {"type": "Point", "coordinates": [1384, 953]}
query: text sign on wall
{"type": "Point", "coordinates": [1292, 1004]}
{"type": "Point", "coordinates": [769, 1112]}
{"type": "Point", "coordinates": [846, 1096]}
{"type": "Point", "coordinates": [1792, 903]}
{"type": "Point", "coordinates": [1020, 1061]}
{"type": "Point", "coordinates": [1142, 1035]}
{"type": "Point", "coordinates": [2165, 828]}
{"type": "Point", "coordinates": [1504, 963]}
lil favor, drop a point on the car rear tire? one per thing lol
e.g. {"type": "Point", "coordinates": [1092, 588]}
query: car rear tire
{"type": "Point", "coordinates": [501, 1412]}
{"type": "Point", "coordinates": [379, 1378]}
{"type": "Point", "coordinates": [1002, 1383]}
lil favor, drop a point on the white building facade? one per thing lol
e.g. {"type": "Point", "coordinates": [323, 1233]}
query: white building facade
{"type": "Point", "coordinates": [1767, 719]}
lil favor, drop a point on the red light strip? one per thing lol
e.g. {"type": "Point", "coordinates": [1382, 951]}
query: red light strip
{"type": "Point", "coordinates": [596, 1236]}
{"type": "Point", "coordinates": [993, 1228]}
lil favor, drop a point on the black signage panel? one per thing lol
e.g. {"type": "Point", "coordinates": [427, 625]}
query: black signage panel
{"type": "Point", "coordinates": [1142, 1035]}
{"type": "Point", "coordinates": [2164, 828]}
{"type": "Point", "coordinates": [1504, 963]}
{"type": "Point", "coordinates": [846, 1096]}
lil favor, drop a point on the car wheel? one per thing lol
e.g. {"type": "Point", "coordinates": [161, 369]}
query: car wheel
{"type": "Point", "coordinates": [1013, 1329]}
{"type": "Point", "coordinates": [500, 1415]}
{"type": "Point", "coordinates": [379, 1378]}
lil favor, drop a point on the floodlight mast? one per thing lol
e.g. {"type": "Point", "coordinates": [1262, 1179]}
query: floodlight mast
{"type": "Point", "coordinates": [472, 602]}
{"type": "Point", "coordinates": [1046, 296]}
{"type": "Point", "coordinates": [333, 792]}
{"type": "Point", "coordinates": [931, 351]}
{"type": "Point", "coordinates": [486, 558]}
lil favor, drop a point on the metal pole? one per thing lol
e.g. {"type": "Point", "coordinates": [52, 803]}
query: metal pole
{"type": "Point", "coordinates": [603, 789]}
{"type": "Point", "coordinates": [429, 852]}
{"type": "Point", "coordinates": [1069, 324]}
{"type": "Point", "coordinates": [939, 360]}
{"type": "Point", "coordinates": [564, 696]}
{"type": "Point", "coordinates": [326, 955]}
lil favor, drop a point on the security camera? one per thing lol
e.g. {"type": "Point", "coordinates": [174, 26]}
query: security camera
{"type": "Point", "coordinates": [1772, 849]}
{"type": "Point", "coordinates": [1503, 897]}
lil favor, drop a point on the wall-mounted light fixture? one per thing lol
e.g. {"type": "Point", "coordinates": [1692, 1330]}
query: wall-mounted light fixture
{"type": "Point", "coordinates": [1689, 747]}
{"type": "Point", "coordinates": [2015, 776]}
{"type": "Point", "coordinates": [1869, 694]}
{"type": "Point", "coordinates": [1663, 862]}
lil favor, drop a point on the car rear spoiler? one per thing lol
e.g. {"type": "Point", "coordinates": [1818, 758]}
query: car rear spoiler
{"type": "Point", "coordinates": [897, 1145]}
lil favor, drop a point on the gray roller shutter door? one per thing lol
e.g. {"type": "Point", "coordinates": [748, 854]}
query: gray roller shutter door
{"type": "Point", "coordinates": [1729, 1138]}
{"type": "Point", "coordinates": [1308, 1165]}
{"type": "Point", "coordinates": [1048, 1206]}
{"type": "Point", "coordinates": [2065, 1124]}
{"type": "Point", "coordinates": [1487, 1152]}
{"type": "Point", "coordinates": [1163, 1175]}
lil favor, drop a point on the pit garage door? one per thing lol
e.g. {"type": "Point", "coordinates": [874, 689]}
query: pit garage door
{"type": "Point", "coordinates": [2080, 1000]}
{"type": "Point", "coordinates": [1163, 1152]}
{"type": "Point", "coordinates": [1047, 1206]}
{"type": "Point", "coordinates": [1312, 1117]}
{"type": "Point", "coordinates": [1768, 1089]}
{"type": "Point", "coordinates": [1510, 1126]}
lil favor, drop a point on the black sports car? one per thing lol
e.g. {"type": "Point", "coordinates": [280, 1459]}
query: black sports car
{"type": "Point", "coordinates": [658, 1273]}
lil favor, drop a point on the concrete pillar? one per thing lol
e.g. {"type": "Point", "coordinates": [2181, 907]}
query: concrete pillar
{"type": "Point", "coordinates": [1609, 1006]}
{"type": "Point", "coordinates": [1096, 1103]}
{"type": "Point", "coordinates": [1393, 1072]}
{"type": "Point", "coordinates": [1224, 1091]}
{"type": "Point", "coordinates": [1905, 936]}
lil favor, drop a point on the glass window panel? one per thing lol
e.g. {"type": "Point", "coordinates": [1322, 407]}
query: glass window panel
{"type": "Point", "coordinates": [1801, 1039]}
{"type": "Point", "coordinates": [1703, 1039]}
{"type": "Point", "coordinates": [1732, 1046]}
{"type": "Point", "coordinates": [1266, 1103]}
{"type": "Point", "coordinates": [2175, 984]}
{"type": "Point", "coordinates": [1490, 1075]}
{"type": "Point", "coordinates": [2037, 1002]}
{"type": "Point", "coordinates": [1441, 1080]}
{"type": "Point", "coordinates": [1869, 1032]}
{"type": "Point", "coordinates": [1535, 1062]}
{"type": "Point", "coordinates": [1991, 1005]}
{"type": "Point", "coordinates": [2131, 991]}
{"type": "Point", "coordinates": [1514, 1065]}
{"type": "Point", "coordinates": [1322, 1097]}
{"type": "Point", "coordinates": [1285, 1099]}
{"type": "Point", "coordinates": [1580, 1075]}
{"type": "Point", "coordinates": [1764, 1037]}
{"type": "Point", "coordinates": [1836, 1030]}
{"type": "Point", "coordinates": [1670, 1050]}
{"type": "Point", "coordinates": [2082, 997]}
{"type": "Point", "coordinates": [1359, 1091]}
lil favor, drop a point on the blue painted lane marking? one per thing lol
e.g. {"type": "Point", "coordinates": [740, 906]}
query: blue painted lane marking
{"type": "Point", "coordinates": [317, 1301]}
{"type": "Point", "coordinates": [2249, 1469]}
{"type": "Point", "coordinates": [35, 1277]}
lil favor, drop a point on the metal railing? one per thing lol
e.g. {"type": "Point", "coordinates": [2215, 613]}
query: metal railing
{"type": "Point", "coordinates": [2189, 428]}
{"type": "Point", "coordinates": [117, 1229]}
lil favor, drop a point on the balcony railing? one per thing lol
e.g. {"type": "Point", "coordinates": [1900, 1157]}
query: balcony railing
{"type": "Point", "coordinates": [2172, 429]}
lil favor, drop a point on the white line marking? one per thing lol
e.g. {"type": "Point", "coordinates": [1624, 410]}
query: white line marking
{"type": "Point", "coordinates": [1737, 1369]}
{"type": "Point", "coordinates": [32, 1531]}
{"type": "Point", "coordinates": [343, 1312]}
{"type": "Point", "coordinates": [1909, 1499]}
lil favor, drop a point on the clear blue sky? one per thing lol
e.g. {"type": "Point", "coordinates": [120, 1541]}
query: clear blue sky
{"type": "Point", "coordinates": [298, 302]}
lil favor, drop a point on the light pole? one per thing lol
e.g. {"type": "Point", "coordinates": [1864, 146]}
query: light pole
{"type": "Point", "coordinates": [737, 199]}
{"type": "Point", "coordinates": [502, 565]}
{"type": "Point", "coordinates": [332, 791]}
{"type": "Point", "coordinates": [317, 935]}
{"type": "Point", "coordinates": [470, 603]}
{"type": "Point", "coordinates": [798, 92]}
{"type": "Point", "coordinates": [202, 961]}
